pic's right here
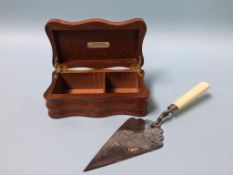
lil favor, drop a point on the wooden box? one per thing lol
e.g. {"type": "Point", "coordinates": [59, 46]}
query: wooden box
{"type": "Point", "coordinates": [97, 68]}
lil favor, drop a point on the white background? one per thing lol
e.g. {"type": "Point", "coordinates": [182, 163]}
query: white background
{"type": "Point", "coordinates": [187, 42]}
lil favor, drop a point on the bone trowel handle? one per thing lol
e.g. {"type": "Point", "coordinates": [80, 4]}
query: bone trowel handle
{"type": "Point", "coordinates": [182, 102]}
{"type": "Point", "coordinates": [191, 95]}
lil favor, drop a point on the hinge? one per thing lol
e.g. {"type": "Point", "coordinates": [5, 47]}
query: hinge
{"type": "Point", "coordinates": [137, 67]}
{"type": "Point", "coordinates": [60, 67]}
{"type": "Point", "coordinates": [133, 68]}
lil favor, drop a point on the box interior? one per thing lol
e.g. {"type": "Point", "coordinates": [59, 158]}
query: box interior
{"type": "Point", "coordinates": [72, 47]}
{"type": "Point", "coordinates": [96, 83]}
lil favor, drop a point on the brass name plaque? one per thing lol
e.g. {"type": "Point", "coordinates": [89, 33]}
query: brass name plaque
{"type": "Point", "coordinates": [96, 45]}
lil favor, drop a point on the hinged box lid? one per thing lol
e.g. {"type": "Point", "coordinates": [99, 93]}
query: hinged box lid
{"type": "Point", "coordinates": [96, 43]}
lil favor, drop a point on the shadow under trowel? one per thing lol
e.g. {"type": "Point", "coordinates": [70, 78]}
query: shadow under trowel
{"type": "Point", "coordinates": [151, 105]}
{"type": "Point", "coordinates": [151, 79]}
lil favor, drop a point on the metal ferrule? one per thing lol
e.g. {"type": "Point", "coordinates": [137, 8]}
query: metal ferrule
{"type": "Point", "coordinates": [164, 115]}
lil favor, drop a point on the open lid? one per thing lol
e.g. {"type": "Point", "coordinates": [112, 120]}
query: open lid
{"type": "Point", "coordinates": [96, 43]}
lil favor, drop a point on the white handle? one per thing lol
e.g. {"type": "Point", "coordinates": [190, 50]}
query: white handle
{"type": "Point", "coordinates": [191, 95]}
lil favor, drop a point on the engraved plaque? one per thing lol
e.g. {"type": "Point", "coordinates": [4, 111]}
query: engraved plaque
{"type": "Point", "coordinates": [96, 45]}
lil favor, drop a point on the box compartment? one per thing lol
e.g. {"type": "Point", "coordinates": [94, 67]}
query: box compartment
{"type": "Point", "coordinates": [96, 83]}
{"type": "Point", "coordinates": [80, 83]}
{"type": "Point", "coordinates": [122, 82]}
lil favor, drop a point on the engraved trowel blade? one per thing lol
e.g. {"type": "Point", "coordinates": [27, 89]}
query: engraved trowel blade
{"type": "Point", "coordinates": [134, 137]}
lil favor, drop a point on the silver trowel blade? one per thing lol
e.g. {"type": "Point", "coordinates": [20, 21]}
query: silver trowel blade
{"type": "Point", "coordinates": [134, 137]}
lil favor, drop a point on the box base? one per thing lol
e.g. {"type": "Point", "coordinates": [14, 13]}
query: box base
{"type": "Point", "coordinates": [68, 96]}
{"type": "Point", "coordinates": [96, 109]}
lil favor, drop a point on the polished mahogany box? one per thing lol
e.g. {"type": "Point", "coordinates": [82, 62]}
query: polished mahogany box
{"type": "Point", "coordinates": [97, 68]}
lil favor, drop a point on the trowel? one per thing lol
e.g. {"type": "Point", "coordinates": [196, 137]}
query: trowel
{"type": "Point", "coordinates": [138, 136]}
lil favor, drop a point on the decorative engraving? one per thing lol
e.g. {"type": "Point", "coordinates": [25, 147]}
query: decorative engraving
{"type": "Point", "coordinates": [96, 45]}
{"type": "Point", "coordinates": [133, 142]}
